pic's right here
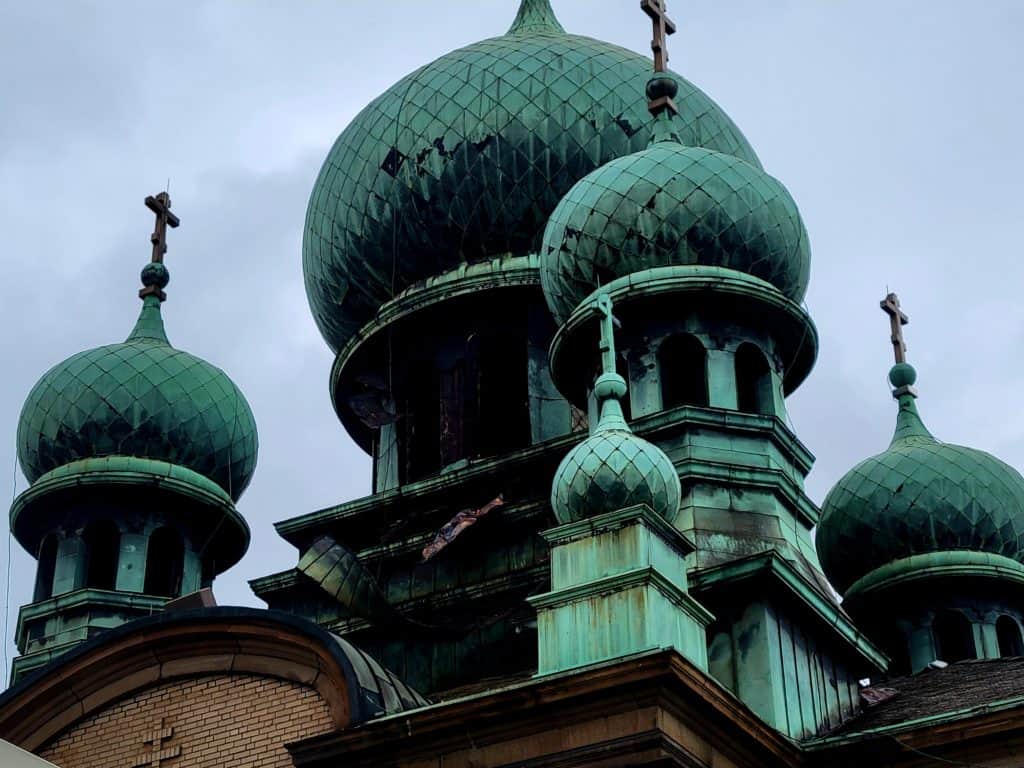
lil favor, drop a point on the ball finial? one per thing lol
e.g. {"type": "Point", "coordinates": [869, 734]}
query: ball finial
{"type": "Point", "coordinates": [155, 275]}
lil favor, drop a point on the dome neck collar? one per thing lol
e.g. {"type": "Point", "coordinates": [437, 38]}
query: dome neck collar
{"type": "Point", "coordinates": [535, 16]}
{"type": "Point", "coordinates": [665, 129]}
{"type": "Point", "coordinates": [909, 425]}
{"type": "Point", "coordinates": [150, 325]}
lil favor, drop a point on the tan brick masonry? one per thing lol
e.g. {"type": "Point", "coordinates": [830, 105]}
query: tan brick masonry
{"type": "Point", "coordinates": [222, 721]}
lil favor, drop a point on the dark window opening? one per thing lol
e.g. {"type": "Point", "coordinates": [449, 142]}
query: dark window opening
{"type": "Point", "coordinates": [102, 552]}
{"type": "Point", "coordinates": [894, 642]}
{"type": "Point", "coordinates": [682, 362]}
{"type": "Point", "coordinates": [165, 563]}
{"type": "Point", "coordinates": [422, 423]}
{"type": "Point", "coordinates": [954, 637]}
{"type": "Point", "coordinates": [47, 568]}
{"type": "Point", "coordinates": [502, 396]}
{"type": "Point", "coordinates": [753, 381]}
{"type": "Point", "coordinates": [452, 429]}
{"type": "Point", "coordinates": [1008, 632]}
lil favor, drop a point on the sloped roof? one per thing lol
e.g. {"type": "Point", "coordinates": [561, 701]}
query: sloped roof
{"type": "Point", "coordinates": [966, 687]}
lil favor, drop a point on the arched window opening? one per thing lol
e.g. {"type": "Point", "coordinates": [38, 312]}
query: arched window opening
{"type": "Point", "coordinates": [1008, 632]}
{"type": "Point", "coordinates": [102, 552]}
{"type": "Point", "coordinates": [47, 567]}
{"type": "Point", "coordinates": [683, 364]}
{"type": "Point", "coordinates": [165, 563]}
{"type": "Point", "coordinates": [954, 638]}
{"type": "Point", "coordinates": [753, 381]}
{"type": "Point", "coordinates": [423, 422]}
{"type": "Point", "coordinates": [502, 396]}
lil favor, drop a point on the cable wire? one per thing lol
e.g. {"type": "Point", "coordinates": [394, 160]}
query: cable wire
{"type": "Point", "coordinates": [7, 579]}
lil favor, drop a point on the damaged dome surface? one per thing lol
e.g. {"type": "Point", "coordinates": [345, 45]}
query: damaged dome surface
{"type": "Point", "coordinates": [465, 159]}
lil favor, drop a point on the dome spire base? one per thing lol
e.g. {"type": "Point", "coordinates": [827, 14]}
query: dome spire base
{"type": "Point", "coordinates": [535, 16]}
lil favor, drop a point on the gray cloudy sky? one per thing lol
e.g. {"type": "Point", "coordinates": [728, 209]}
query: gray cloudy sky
{"type": "Point", "coordinates": [895, 124]}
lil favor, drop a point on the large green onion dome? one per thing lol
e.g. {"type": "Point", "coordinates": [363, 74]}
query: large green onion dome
{"type": "Point", "coordinates": [920, 503]}
{"type": "Point", "coordinates": [667, 205]}
{"type": "Point", "coordinates": [145, 399]}
{"type": "Point", "coordinates": [464, 160]}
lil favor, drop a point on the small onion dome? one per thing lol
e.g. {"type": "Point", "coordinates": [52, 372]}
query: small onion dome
{"type": "Point", "coordinates": [143, 399]}
{"type": "Point", "coordinates": [613, 468]}
{"type": "Point", "coordinates": [672, 205]}
{"type": "Point", "coordinates": [464, 160]}
{"type": "Point", "coordinates": [920, 497]}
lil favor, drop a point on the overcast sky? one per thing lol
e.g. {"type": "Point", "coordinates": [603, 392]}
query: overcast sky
{"type": "Point", "coordinates": [896, 125]}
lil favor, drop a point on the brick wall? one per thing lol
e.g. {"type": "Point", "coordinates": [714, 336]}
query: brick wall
{"type": "Point", "coordinates": [222, 721]}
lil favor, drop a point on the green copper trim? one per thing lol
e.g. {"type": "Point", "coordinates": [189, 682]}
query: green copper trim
{"type": "Point", "coordinates": [535, 17]}
{"type": "Point", "coordinates": [31, 506]}
{"type": "Point", "coordinates": [770, 564]}
{"type": "Point", "coordinates": [638, 577]}
{"type": "Point", "coordinates": [150, 325]}
{"type": "Point", "coordinates": [300, 530]}
{"type": "Point", "coordinates": [612, 521]}
{"type": "Point", "coordinates": [961, 564]}
{"type": "Point", "coordinates": [82, 597]}
{"type": "Point", "coordinates": [790, 325]}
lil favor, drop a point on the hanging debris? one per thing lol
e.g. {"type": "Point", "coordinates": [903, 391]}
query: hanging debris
{"type": "Point", "coordinates": [454, 527]}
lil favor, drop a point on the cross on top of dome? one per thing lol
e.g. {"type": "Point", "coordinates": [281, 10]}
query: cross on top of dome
{"type": "Point", "coordinates": [662, 89]}
{"type": "Point", "coordinates": [897, 318]}
{"type": "Point", "coordinates": [663, 27]}
{"type": "Point", "coordinates": [155, 275]}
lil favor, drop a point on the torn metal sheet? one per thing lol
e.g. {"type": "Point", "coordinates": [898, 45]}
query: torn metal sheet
{"type": "Point", "coordinates": [454, 527]}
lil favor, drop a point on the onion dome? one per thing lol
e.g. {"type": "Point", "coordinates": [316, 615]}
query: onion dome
{"type": "Point", "coordinates": [672, 205]}
{"type": "Point", "coordinates": [920, 504]}
{"type": "Point", "coordinates": [613, 468]}
{"type": "Point", "coordinates": [464, 160]}
{"type": "Point", "coordinates": [141, 398]}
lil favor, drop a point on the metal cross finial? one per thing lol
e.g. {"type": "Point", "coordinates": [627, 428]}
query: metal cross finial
{"type": "Point", "coordinates": [608, 323]}
{"type": "Point", "coordinates": [155, 278]}
{"type": "Point", "coordinates": [161, 206]}
{"type": "Point", "coordinates": [663, 27]}
{"type": "Point", "coordinates": [897, 319]}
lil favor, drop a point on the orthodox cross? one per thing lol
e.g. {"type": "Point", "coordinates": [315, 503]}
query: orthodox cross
{"type": "Point", "coordinates": [897, 319]}
{"type": "Point", "coordinates": [154, 278]}
{"type": "Point", "coordinates": [157, 737]}
{"type": "Point", "coordinates": [161, 207]}
{"type": "Point", "coordinates": [663, 27]}
{"type": "Point", "coordinates": [608, 322]}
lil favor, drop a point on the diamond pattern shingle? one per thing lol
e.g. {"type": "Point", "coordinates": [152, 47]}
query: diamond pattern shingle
{"type": "Point", "coordinates": [672, 205]}
{"type": "Point", "coordinates": [919, 496]}
{"type": "Point", "coordinates": [465, 159]}
{"type": "Point", "coordinates": [141, 398]}
{"type": "Point", "coordinates": [613, 469]}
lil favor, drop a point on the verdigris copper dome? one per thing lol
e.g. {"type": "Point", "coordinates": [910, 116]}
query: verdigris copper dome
{"type": "Point", "coordinates": [669, 205]}
{"type": "Point", "coordinates": [142, 398]}
{"type": "Point", "coordinates": [613, 468]}
{"type": "Point", "coordinates": [464, 160]}
{"type": "Point", "coordinates": [920, 497]}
